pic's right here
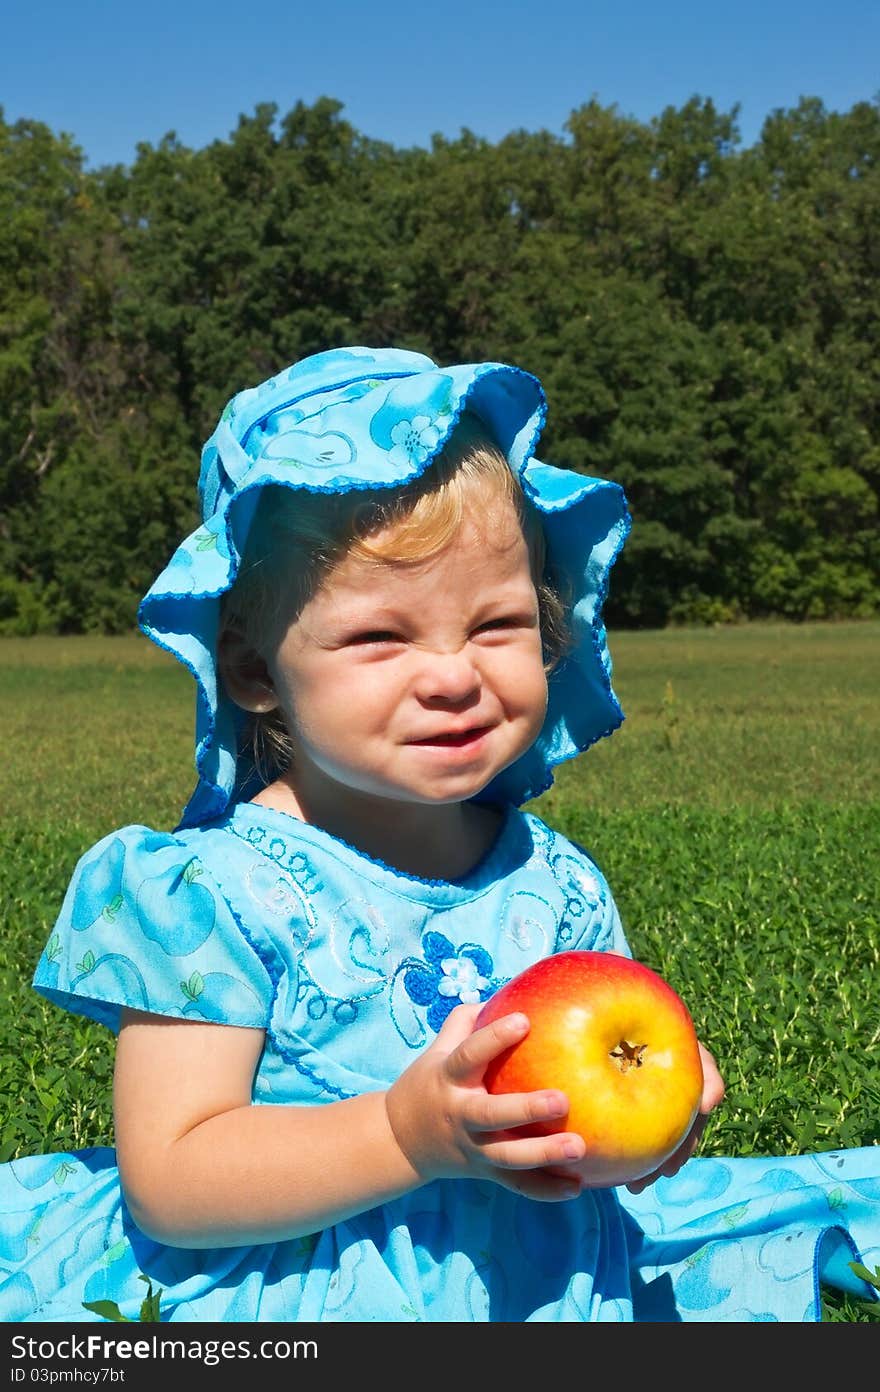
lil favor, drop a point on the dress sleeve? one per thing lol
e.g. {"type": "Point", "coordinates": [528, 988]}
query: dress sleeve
{"type": "Point", "coordinates": [143, 924]}
{"type": "Point", "coordinates": [598, 927]}
{"type": "Point", "coordinates": [613, 931]}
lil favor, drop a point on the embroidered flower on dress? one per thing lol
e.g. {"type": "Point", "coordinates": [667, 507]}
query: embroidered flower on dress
{"type": "Point", "coordinates": [413, 440]}
{"type": "Point", "coordinates": [448, 977]}
{"type": "Point", "coordinates": [461, 978]}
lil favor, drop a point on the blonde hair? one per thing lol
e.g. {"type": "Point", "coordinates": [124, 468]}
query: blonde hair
{"type": "Point", "coordinates": [297, 537]}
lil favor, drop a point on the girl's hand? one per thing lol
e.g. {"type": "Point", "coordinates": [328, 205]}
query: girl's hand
{"type": "Point", "coordinates": [448, 1125]}
{"type": "Point", "coordinates": [713, 1093]}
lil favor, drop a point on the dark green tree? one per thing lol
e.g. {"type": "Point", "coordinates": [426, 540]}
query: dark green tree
{"type": "Point", "coordinates": [704, 319]}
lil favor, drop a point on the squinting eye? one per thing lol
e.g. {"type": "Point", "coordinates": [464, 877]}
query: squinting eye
{"type": "Point", "coordinates": [374, 635]}
{"type": "Point", "coordinates": [493, 624]}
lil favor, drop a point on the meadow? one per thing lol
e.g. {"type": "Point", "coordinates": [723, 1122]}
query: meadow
{"type": "Point", "coordinates": [736, 814]}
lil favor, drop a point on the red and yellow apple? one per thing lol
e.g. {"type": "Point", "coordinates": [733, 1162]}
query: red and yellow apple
{"type": "Point", "coordinates": [619, 1042]}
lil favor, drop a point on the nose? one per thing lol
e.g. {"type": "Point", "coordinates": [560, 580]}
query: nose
{"type": "Point", "coordinates": [447, 678]}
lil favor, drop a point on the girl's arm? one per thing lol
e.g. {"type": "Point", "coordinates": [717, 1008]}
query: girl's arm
{"type": "Point", "coordinates": [202, 1166]}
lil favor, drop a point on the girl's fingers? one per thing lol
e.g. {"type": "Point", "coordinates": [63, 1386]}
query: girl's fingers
{"type": "Point", "coordinates": [713, 1083]}
{"type": "Point", "coordinates": [636, 1186]}
{"type": "Point", "coordinates": [547, 1186]}
{"type": "Point", "coordinates": [467, 1061]}
{"type": "Point", "coordinates": [675, 1162]}
{"type": "Point", "coordinates": [514, 1152]}
{"type": "Point", "coordinates": [458, 1026]}
{"type": "Point", "coordinates": [504, 1111]}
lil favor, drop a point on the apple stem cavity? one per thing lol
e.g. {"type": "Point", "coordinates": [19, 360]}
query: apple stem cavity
{"type": "Point", "coordinates": [628, 1055]}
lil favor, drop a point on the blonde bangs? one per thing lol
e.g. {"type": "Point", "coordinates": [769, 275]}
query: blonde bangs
{"type": "Point", "coordinates": [423, 517]}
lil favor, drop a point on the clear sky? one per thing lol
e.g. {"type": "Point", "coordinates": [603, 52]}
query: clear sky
{"type": "Point", "coordinates": [113, 73]}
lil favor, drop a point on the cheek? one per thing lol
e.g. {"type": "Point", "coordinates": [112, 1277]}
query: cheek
{"type": "Point", "coordinates": [329, 707]}
{"type": "Point", "coordinates": [525, 683]}
{"type": "Point", "coordinates": [541, 697]}
{"type": "Point", "coordinates": [298, 690]}
{"type": "Point", "coordinates": [540, 693]}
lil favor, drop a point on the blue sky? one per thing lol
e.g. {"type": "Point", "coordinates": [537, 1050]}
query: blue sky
{"type": "Point", "coordinates": [113, 74]}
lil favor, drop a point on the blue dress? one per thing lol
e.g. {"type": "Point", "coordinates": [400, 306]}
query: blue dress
{"type": "Point", "coordinates": [351, 967]}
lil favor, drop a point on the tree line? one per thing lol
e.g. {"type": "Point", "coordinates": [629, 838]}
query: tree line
{"type": "Point", "coordinates": [704, 318]}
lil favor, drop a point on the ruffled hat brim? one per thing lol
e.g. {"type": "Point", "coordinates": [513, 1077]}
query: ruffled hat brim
{"type": "Point", "coordinates": [362, 418]}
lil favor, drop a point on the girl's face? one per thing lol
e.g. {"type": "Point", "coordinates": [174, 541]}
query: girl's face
{"type": "Point", "coordinates": [416, 682]}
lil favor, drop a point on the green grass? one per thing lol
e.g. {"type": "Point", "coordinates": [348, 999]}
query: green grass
{"type": "Point", "coordinates": [736, 815]}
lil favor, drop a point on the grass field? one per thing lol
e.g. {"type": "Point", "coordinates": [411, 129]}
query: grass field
{"type": "Point", "coordinates": [736, 814]}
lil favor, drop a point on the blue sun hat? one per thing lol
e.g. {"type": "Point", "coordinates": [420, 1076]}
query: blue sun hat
{"type": "Point", "coordinates": [367, 418]}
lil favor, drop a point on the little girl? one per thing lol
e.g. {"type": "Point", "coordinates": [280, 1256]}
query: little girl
{"type": "Point", "coordinates": [393, 616]}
